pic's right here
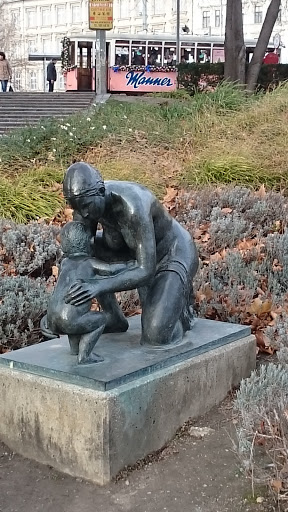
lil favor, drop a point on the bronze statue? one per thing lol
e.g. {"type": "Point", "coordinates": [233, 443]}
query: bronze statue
{"type": "Point", "coordinates": [83, 326]}
{"type": "Point", "coordinates": [157, 255]}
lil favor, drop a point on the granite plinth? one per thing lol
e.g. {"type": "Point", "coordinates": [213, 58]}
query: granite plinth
{"type": "Point", "coordinates": [124, 358]}
{"type": "Point", "coordinates": [91, 421]}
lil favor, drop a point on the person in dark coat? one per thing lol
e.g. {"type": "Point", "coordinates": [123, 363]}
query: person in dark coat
{"type": "Point", "coordinates": [51, 74]}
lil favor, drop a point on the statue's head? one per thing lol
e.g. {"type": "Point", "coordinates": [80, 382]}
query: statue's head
{"type": "Point", "coordinates": [75, 239]}
{"type": "Point", "coordinates": [84, 190]}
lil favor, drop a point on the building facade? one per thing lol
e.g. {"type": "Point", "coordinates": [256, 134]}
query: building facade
{"type": "Point", "coordinates": [40, 26]}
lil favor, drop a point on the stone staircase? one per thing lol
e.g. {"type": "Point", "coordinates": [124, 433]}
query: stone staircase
{"type": "Point", "coordinates": [18, 109]}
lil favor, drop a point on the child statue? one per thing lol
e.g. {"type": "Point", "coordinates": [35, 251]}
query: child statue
{"type": "Point", "coordinates": [83, 326]}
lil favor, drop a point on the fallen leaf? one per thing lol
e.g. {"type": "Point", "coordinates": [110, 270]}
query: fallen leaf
{"type": "Point", "coordinates": [198, 233]}
{"type": "Point", "coordinates": [277, 485]}
{"type": "Point", "coordinates": [4, 350]}
{"type": "Point", "coordinates": [263, 343]}
{"type": "Point", "coordinates": [260, 291]}
{"type": "Point", "coordinates": [200, 296]}
{"type": "Point", "coordinates": [261, 192]}
{"type": "Point", "coordinates": [259, 308]}
{"type": "Point", "coordinates": [206, 237]}
{"type": "Point", "coordinates": [55, 271]}
{"type": "Point", "coordinates": [245, 245]}
{"type": "Point", "coordinates": [216, 257]}
{"type": "Point", "coordinates": [68, 214]}
{"type": "Point", "coordinates": [171, 194]}
{"type": "Point", "coordinates": [133, 313]}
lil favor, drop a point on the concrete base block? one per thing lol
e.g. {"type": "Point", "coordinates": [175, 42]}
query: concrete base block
{"type": "Point", "coordinates": [93, 434]}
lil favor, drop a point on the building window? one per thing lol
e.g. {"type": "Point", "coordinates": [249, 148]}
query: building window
{"type": "Point", "coordinates": [158, 7]}
{"type": "Point", "coordinates": [17, 81]}
{"type": "Point", "coordinates": [258, 14]}
{"type": "Point", "coordinates": [124, 8]}
{"type": "Point", "coordinates": [61, 15]}
{"type": "Point", "coordinates": [46, 45]}
{"type": "Point", "coordinates": [31, 18]}
{"type": "Point", "coordinates": [206, 19]}
{"type": "Point", "coordinates": [217, 18]}
{"type": "Point", "coordinates": [279, 19]}
{"type": "Point", "coordinates": [46, 16]}
{"type": "Point", "coordinates": [32, 48]}
{"type": "Point", "coordinates": [15, 16]}
{"type": "Point", "coordinates": [17, 50]}
{"type": "Point", "coordinates": [183, 5]}
{"type": "Point", "coordinates": [58, 44]}
{"type": "Point", "coordinates": [76, 13]}
{"type": "Point", "coordinates": [33, 81]}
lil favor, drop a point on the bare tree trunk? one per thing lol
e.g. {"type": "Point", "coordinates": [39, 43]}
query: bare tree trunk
{"type": "Point", "coordinates": [235, 52]}
{"type": "Point", "coordinates": [262, 43]}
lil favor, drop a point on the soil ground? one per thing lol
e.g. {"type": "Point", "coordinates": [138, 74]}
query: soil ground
{"type": "Point", "coordinates": [192, 475]}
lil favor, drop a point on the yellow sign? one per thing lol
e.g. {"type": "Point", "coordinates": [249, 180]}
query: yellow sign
{"type": "Point", "coordinates": [100, 15]}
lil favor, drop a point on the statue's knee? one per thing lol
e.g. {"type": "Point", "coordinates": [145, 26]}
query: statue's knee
{"type": "Point", "coordinates": [61, 321]}
{"type": "Point", "coordinates": [154, 332]}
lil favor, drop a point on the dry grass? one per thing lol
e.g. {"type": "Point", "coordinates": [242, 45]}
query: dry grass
{"type": "Point", "coordinates": [219, 137]}
{"type": "Point", "coordinates": [155, 168]}
{"type": "Point", "coordinates": [254, 140]}
{"type": "Point", "coordinates": [248, 147]}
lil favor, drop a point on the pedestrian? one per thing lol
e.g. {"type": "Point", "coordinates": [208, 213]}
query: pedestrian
{"type": "Point", "coordinates": [5, 72]}
{"type": "Point", "coordinates": [51, 74]}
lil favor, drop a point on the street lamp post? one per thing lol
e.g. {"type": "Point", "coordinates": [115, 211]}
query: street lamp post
{"type": "Point", "coordinates": [178, 47]}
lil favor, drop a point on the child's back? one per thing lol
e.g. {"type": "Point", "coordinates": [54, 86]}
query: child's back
{"type": "Point", "coordinates": [72, 269]}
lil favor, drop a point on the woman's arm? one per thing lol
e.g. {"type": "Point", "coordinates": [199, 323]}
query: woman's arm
{"type": "Point", "coordinates": [140, 238]}
{"type": "Point", "coordinates": [109, 269]}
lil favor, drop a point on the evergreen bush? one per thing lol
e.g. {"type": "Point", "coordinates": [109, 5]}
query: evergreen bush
{"type": "Point", "coordinates": [23, 302]}
{"type": "Point", "coordinates": [30, 249]}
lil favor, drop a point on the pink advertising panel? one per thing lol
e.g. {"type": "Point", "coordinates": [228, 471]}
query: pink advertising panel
{"type": "Point", "coordinates": [142, 81]}
{"type": "Point", "coordinates": [218, 55]}
{"type": "Point", "coordinates": [70, 80]}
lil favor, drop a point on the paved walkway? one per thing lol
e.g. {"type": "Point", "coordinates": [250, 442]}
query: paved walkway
{"type": "Point", "coordinates": [192, 476]}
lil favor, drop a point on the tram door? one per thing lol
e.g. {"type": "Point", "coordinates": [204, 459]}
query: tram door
{"type": "Point", "coordinates": [84, 66]}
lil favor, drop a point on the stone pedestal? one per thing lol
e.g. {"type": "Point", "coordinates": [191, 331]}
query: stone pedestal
{"type": "Point", "coordinates": [91, 421]}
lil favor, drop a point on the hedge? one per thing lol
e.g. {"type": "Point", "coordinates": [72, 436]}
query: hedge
{"type": "Point", "coordinates": [196, 77]}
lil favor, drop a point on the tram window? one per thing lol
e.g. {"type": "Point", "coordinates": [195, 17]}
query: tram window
{"type": "Point", "coordinates": [187, 54]}
{"type": "Point", "coordinates": [82, 57]}
{"type": "Point", "coordinates": [122, 55]}
{"type": "Point", "coordinates": [203, 55]}
{"type": "Point", "coordinates": [170, 56]}
{"type": "Point", "coordinates": [84, 53]}
{"type": "Point", "coordinates": [72, 53]}
{"type": "Point", "coordinates": [155, 55]}
{"type": "Point", "coordinates": [138, 55]}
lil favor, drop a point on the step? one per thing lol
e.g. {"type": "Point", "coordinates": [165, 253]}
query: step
{"type": "Point", "coordinates": [54, 95]}
{"type": "Point", "coordinates": [14, 97]}
{"type": "Point", "coordinates": [44, 104]}
{"type": "Point", "coordinates": [24, 113]}
{"type": "Point", "coordinates": [20, 122]}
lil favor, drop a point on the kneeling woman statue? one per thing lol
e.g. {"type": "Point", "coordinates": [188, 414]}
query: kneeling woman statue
{"type": "Point", "coordinates": [140, 246]}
